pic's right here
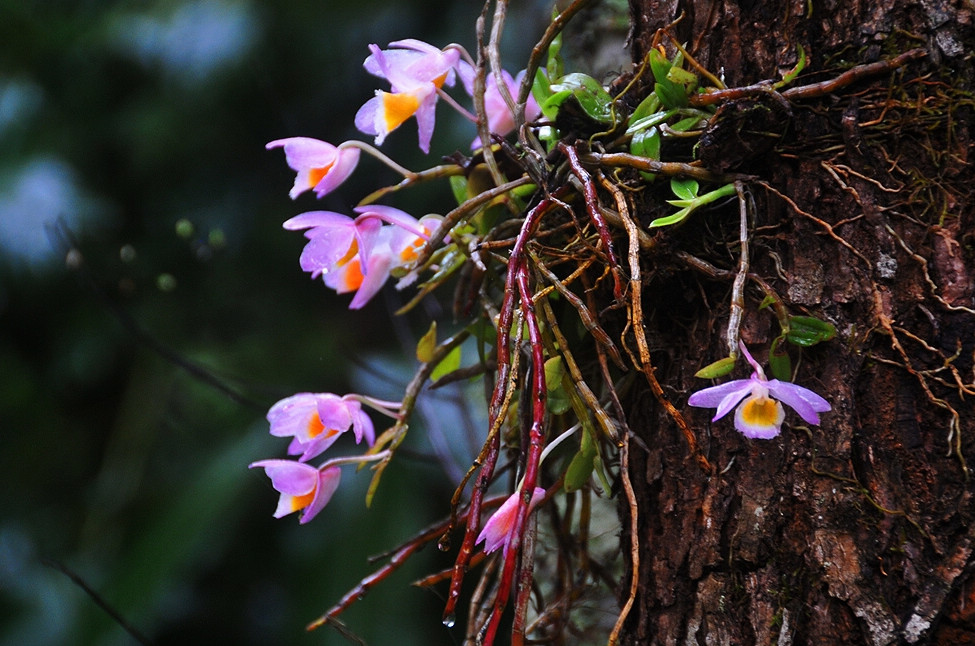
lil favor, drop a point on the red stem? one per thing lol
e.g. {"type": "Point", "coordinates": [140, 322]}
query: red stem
{"type": "Point", "coordinates": [598, 221]}
{"type": "Point", "coordinates": [536, 441]}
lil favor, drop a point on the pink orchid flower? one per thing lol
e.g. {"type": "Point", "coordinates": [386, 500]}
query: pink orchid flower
{"type": "Point", "coordinates": [760, 415]}
{"type": "Point", "coordinates": [497, 530]}
{"type": "Point", "coordinates": [501, 120]}
{"type": "Point", "coordinates": [303, 487]}
{"type": "Point", "coordinates": [316, 420]}
{"type": "Point", "coordinates": [415, 71]}
{"type": "Point", "coordinates": [320, 165]}
{"type": "Point", "coordinates": [359, 254]}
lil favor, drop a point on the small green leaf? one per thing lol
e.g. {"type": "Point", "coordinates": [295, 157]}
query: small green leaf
{"type": "Point", "coordinates": [646, 143]}
{"type": "Point", "coordinates": [682, 77]}
{"type": "Point", "coordinates": [541, 89]}
{"type": "Point", "coordinates": [779, 361]}
{"type": "Point", "coordinates": [795, 71]}
{"type": "Point", "coordinates": [458, 186]}
{"type": "Point", "coordinates": [671, 95]}
{"type": "Point", "coordinates": [659, 65]}
{"type": "Point", "coordinates": [719, 368]}
{"type": "Point", "coordinates": [685, 124]}
{"type": "Point", "coordinates": [648, 107]}
{"type": "Point", "coordinates": [593, 99]}
{"type": "Point", "coordinates": [553, 373]}
{"type": "Point", "coordinates": [768, 301]}
{"type": "Point", "coordinates": [558, 400]}
{"type": "Point", "coordinates": [427, 345]}
{"type": "Point", "coordinates": [578, 472]}
{"type": "Point", "coordinates": [685, 189]}
{"type": "Point", "coordinates": [676, 218]}
{"type": "Point", "coordinates": [447, 365]}
{"type": "Point", "coordinates": [806, 331]}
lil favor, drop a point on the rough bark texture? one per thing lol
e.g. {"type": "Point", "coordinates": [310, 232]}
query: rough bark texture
{"type": "Point", "coordinates": [860, 531]}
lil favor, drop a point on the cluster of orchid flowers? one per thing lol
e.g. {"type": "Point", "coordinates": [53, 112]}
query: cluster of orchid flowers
{"type": "Point", "coordinates": [359, 254]}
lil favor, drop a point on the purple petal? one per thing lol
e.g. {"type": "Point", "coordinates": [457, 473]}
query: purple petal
{"type": "Point", "coordinates": [290, 416]}
{"type": "Point", "coordinates": [388, 214]}
{"type": "Point", "coordinates": [802, 400]}
{"type": "Point", "coordinates": [324, 219]}
{"type": "Point", "coordinates": [345, 163]}
{"type": "Point", "coordinates": [362, 427]}
{"type": "Point", "coordinates": [374, 277]}
{"type": "Point", "coordinates": [425, 121]}
{"type": "Point", "coordinates": [366, 120]}
{"type": "Point", "coordinates": [289, 477]}
{"type": "Point", "coordinates": [328, 482]}
{"type": "Point", "coordinates": [723, 397]}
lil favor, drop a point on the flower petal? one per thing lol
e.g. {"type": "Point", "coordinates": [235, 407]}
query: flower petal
{"type": "Point", "coordinates": [723, 396]}
{"type": "Point", "coordinates": [497, 530]}
{"type": "Point", "coordinates": [328, 482]}
{"type": "Point", "coordinates": [289, 477]}
{"type": "Point", "coordinates": [802, 400]}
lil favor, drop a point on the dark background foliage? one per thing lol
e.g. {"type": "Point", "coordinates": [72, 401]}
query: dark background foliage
{"type": "Point", "coordinates": [140, 239]}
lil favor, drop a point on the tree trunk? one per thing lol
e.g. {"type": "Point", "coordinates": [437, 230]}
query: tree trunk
{"type": "Point", "coordinates": [860, 530]}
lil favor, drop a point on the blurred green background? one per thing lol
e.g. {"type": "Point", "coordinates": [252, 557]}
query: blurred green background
{"type": "Point", "coordinates": [136, 369]}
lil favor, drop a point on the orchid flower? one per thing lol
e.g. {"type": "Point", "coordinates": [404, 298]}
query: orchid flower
{"type": "Point", "coordinates": [497, 530]}
{"type": "Point", "coordinates": [316, 420]}
{"type": "Point", "coordinates": [501, 120]}
{"type": "Point", "coordinates": [358, 254]}
{"type": "Point", "coordinates": [760, 415]}
{"type": "Point", "coordinates": [303, 487]}
{"type": "Point", "coordinates": [320, 165]}
{"type": "Point", "coordinates": [416, 71]}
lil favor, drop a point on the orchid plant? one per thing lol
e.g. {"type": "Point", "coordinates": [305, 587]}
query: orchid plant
{"type": "Point", "coordinates": [533, 238]}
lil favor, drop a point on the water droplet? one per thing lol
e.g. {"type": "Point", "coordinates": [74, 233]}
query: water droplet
{"type": "Point", "coordinates": [444, 543]}
{"type": "Point", "coordinates": [449, 621]}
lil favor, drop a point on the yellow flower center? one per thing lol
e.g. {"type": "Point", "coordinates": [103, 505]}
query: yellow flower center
{"type": "Point", "coordinates": [397, 108]}
{"type": "Point", "coordinates": [760, 411]}
{"type": "Point", "coordinates": [353, 277]}
{"type": "Point", "coordinates": [315, 426]}
{"type": "Point", "coordinates": [300, 502]}
{"type": "Point", "coordinates": [315, 175]}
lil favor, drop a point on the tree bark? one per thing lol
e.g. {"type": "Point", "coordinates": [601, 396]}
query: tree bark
{"type": "Point", "coordinates": [861, 530]}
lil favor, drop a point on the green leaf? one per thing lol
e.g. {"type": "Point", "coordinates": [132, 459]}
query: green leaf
{"type": "Point", "coordinates": [554, 369]}
{"type": "Point", "coordinates": [685, 124]}
{"type": "Point", "coordinates": [646, 143]}
{"type": "Point", "coordinates": [671, 95]}
{"type": "Point", "coordinates": [447, 365]}
{"type": "Point", "coordinates": [427, 345]}
{"type": "Point", "coordinates": [768, 301]}
{"type": "Point", "coordinates": [779, 361]}
{"type": "Point", "coordinates": [578, 472]}
{"type": "Point", "coordinates": [558, 400]}
{"type": "Point", "coordinates": [659, 65]}
{"type": "Point", "coordinates": [458, 186]}
{"type": "Point", "coordinates": [806, 331]}
{"type": "Point", "coordinates": [647, 108]}
{"type": "Point", "coordinates": [684, 188]}
{"type": "Point", "coordinates": [682, 77]}
{"type": "Point", "coordinates": [795, 71]}
{"type": "Point", "coordinates": [676, 218]}
{"type": "Point", "coordinates": [541, 89]}
{"type": "Point", "coordinates": [592, 98]}
{"type": "Point", "coordinates": [583, 462]}
{"type": "Point", "coordinates": [719, 368]}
